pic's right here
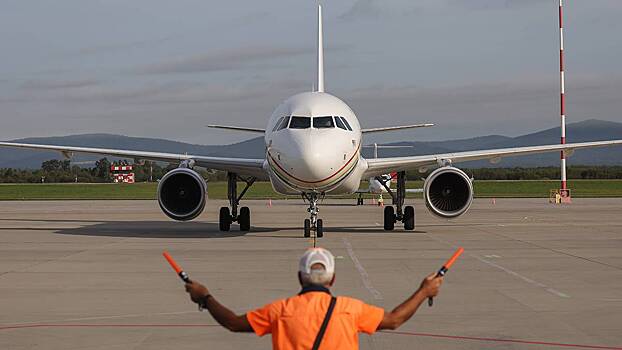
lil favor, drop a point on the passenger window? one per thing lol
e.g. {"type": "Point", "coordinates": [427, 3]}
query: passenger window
{"type": "Point", "coordinates": [323, 122]}
{"type": "Point", "coordinates": [300, 123]}
{"type": "Point", "coordinates": [283, 123]}
{"type": "Point", "coordinates": [346, 123]}
{"type": "Point", "coordinates": [340, 124]}
{"type": "Point", "coordinates": [278, 123]}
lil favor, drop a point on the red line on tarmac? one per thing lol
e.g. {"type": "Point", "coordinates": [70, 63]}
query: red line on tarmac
{"type": "Point", "coordinates": [171, 325]}
{"type": "Point", "coordinates": [497, 340]}
{"type": "Point", "coordinates": [103, 325]}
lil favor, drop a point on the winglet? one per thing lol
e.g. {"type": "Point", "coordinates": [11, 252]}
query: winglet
{"type": "Point", "coordinates": [320, 51]}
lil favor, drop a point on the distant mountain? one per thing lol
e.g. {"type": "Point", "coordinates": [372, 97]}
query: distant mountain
{"type": "Point", "coordinates": [589, 130]}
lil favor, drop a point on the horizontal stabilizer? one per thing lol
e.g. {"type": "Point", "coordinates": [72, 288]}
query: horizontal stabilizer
{"type": "Point", "coordinates": [237, 128]}
{"type": "Point", "coordinates": [394, 128]}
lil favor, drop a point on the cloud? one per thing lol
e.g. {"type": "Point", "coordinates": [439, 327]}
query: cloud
{"type": "Point", "coordinates": [377, 10]}
{"type": "Point", "coordinates": [494, 4]}
{"type": "Point", "coordinates": [58, 84]}
{"type": "Point", "coordinates": [222, 61]}
{"type": "Point", "coordinates": [508, 108]}
{"type": "Point", "coordinates": [363, 9]}
{"type": "Point", "coordinates": [162, 93]}
{"type": "Point", "coordinates": [140, 44]}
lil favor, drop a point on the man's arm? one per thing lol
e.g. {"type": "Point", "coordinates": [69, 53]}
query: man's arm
{"type": "Point", "coordinates": [403, 312]}
{"type": "Point", "coordinates": [225, 317]}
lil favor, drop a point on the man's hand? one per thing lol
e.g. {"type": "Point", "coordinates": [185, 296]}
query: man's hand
{"type": "Point", "coordinates": [197, 291]}
{"type": "Point", "coordinates": [431, 285]}
{"type": "Point", "coordinates": [224, 316]}
{"type": "Point", "coordinates": [403, 312]}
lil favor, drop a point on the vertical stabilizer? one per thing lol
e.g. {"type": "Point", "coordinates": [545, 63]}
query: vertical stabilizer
{"type": "Point", "coordinates": [320, 52]}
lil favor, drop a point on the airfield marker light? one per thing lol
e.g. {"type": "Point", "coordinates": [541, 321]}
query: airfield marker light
{"type": "Point", "coordinates": [443, 270]}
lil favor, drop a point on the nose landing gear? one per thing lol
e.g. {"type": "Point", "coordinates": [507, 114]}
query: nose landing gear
{"type": "Point", "coordinates": [313, 223]}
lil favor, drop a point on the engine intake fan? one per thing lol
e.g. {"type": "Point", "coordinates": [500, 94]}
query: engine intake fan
{"type": "Point", "coordinates": [182, 194]}
{"type": "Point", "coordinates": [448, 192]}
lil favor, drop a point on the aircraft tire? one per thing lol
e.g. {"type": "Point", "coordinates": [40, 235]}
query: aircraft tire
{"type": "Point", "coordinates": [224, 219]}
{"type": "Point", "coordinates": [389, 218]}
{"type": "Point", "coordinates": [307, 229]}
{"type": "Point", "coordinates": [409, 218]}
{"type": "Point", "coordinates": [245, 219]}
{"type": "Point", "coordinates": [319, 228]}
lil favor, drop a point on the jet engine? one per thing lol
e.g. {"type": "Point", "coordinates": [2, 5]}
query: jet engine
{"type": "Point", "coordinates": [182, 194]}
{"type": "Point", "coordinates": [448, 192]}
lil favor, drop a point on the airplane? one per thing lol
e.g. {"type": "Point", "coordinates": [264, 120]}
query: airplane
{"type": "Point", "coordinates": [381, 184]}
{"type": "Point", "coordinates": [313, 148]}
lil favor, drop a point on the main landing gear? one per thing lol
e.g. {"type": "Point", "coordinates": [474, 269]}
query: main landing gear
{"type": "Point", "coordinates": [227, 216]}
{"type": "Point", "coordinates": [313, 223]}
{"type": "Point", "coordinates": [406, 215]}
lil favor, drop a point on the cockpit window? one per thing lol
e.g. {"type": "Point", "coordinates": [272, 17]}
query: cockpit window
{"type": "Point", "coordinates": [300, 123]}
{"type": "Point", "coordinates": [346, 123]}
{"type": "Point", "coordinates": [278, 123]}
{"type": "Point", "coordinates": [323, 122]}
{"type": "Point", "coordinates": [340, 124]}
{"type": "Point", "coordinates": [283, 124]}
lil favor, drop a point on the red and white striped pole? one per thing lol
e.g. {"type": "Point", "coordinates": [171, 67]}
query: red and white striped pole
{"type": "Point", "coordinates": [562, 91]}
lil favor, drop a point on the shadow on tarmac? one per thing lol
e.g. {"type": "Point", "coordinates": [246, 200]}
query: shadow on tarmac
{"type": "Point", "coordinates": [176, 229]}
{"type": "Point", "coordinates": [152, 229]}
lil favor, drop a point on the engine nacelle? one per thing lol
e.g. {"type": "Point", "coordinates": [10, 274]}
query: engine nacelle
{"type": "Point", "coordinates": [182, 194]}
{"type": "Point", "coordinates": [448, 192]}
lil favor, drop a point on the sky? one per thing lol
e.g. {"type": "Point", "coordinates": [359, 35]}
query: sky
{"type": "Point", "coordinates": [156, 68]}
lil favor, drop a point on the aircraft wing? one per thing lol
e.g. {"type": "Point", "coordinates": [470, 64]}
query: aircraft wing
{"type": "Point", "coordinates": [395, 128]}
{"type": "Point", "coordinates": [237, 128]}
{"type": "Point", "coordinates": [242, 166]}
{"type": "Point", "coordinates": [384, 165]}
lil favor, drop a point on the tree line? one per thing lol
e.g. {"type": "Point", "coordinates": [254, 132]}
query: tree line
{"type": "Point", "coordinates": [574, 172]}
{"type": "Point", "coordinates": [54, 171]}
{"type": "Point", "coordinates": [62, 171]}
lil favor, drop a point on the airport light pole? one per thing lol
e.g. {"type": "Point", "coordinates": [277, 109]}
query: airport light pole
{"type": "Point", "coordinates": [562, 96]}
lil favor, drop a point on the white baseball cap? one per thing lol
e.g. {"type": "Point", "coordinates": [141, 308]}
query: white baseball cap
{"type": "Point", "coordinates": [317, 256]}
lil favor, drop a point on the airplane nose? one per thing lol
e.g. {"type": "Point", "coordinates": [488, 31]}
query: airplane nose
{"type": "Point", "coordinates": [312, 161]}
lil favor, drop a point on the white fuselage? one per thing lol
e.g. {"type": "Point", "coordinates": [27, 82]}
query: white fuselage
{"type": "Point", "coordinates": [376, 187]}
{"type": "Point", "coordinates": [304, 157]}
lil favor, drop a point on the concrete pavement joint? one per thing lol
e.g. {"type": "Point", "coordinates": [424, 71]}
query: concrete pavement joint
{"type": "Point", "coordinates": [364, 275]}
{"type": "Point", "coordinates": [95, 318]}
{"type": "Point", "coordinates": [510, 272]}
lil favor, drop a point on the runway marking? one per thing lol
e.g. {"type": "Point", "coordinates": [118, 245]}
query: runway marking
{"type": "Point", "coordinates": [364, 275]}
{"type": "Point", "coordinates": [555, 250]}
{"type": "Point", "coordinates": [526, 279]}
{"type": "Point", "coordinates": [414, 334]}
{"type": "Point", "coordinates": [499, 340]}
{"type": "Point", "coordinates": [95, 318]}
{"type": "Point", "coordinates": [510, 272]}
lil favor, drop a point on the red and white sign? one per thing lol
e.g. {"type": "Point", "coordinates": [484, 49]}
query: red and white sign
{"type": "Point", "coordinates": [123, 178]}
{"type": "Point", "coordinates": [121, 168]}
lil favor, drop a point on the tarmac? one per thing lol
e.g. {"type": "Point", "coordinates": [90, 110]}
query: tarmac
{"type": "Point", "coordinates": [90, 274]}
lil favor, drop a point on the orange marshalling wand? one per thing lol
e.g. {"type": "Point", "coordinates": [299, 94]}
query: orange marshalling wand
{"type": "Point", "coordinates": [443, 270]}
{"type": "Point", "coordinates": [183, 275]}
